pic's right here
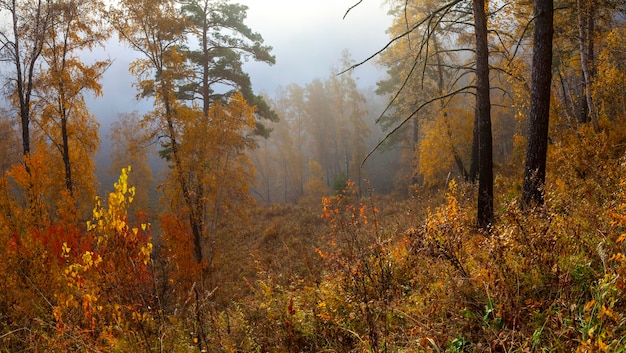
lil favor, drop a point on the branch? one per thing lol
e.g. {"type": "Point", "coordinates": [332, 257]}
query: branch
{"type": "Point", "coordinates": [404, 83]}
{"type": "Point", "coordinates": [14, 331]}
{"type": "Point", "coordinates": [519, 42]}
{"type": "Point", "coordinates": [406, 21]}
{"type": "Point", "coordinates": [432, 100]}
{"type": "Point", "coordinates": [402, 35]}
{"type": "Point", "coordinates": [351, 7]}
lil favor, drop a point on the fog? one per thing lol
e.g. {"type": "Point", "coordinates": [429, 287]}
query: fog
{"type": "Point", "coordinates": [307, 38]}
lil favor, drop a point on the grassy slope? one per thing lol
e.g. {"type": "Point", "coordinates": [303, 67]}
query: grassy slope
{"type": "Point", "coordinates": [428, 280]}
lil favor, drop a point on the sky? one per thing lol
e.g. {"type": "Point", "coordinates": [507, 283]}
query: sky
{"type": "Point", "coordinates": [307, 36]}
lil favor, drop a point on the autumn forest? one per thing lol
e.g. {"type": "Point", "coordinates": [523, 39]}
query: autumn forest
{"type": "Point", "coordinates": [473, 201]}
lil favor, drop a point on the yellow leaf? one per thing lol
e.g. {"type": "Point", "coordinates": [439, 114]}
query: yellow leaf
{"type": "Point", "coordinates": [66, 250]}
{"type": "Point", "coordinates": [603, 346]}
{"type": "Point", "coordinates": [590, 304]}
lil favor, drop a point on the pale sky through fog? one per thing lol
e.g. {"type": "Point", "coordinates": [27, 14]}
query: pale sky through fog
{"type": "Point", "coordinates": [308, 37]}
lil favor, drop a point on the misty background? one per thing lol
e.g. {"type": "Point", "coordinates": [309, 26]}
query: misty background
{"type": "Point", "coordinates": [307, 38]}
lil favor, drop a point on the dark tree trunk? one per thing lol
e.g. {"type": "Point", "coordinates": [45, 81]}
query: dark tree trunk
{"type": "Point", "coordinates": [25, 78]}
{"type": "Point", "coordinates": [483, 104]}
{"type": "Point", "coordinates": [66, 157]}
{"type": "Point", "coordinates": [535, 170]}
{"type": "Point", "coordinates": [206, 92]}
{"type": "Point", "coordinates": [473, 171]}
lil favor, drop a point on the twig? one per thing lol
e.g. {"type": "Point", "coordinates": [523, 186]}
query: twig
{"type": "Point", "coordinates": [402, 35]}
{"type": "Point", "coordinates": [14, 331]}
{"type": "Point", "coordinates": [351, 7]}
{"type": "Point", "coordinates": [450, 94]}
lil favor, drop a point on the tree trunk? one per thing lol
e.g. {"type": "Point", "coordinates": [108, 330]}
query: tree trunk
{"type": "Point", "coordinates": [205, 67]}
{"type": "Point", "coordinates": [195, 218]}
{"type": "Point", "coordinates": [473, 171]}
{"type": "Point", "coordinates": [483, 104]}
{"type": "Point", "coordinates": [66, 156]}
{"type": "Point", "coordinates": [585, 41]}
{"type": "Point", "coordinates": [535, 170]}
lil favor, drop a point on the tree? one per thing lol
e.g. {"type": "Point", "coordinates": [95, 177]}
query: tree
{"type": "Point", "coordinates": [156, 29]}
{"type": "Point", "coordinates": [21, 47]}
{"type": "Point", "coordinates": [483, 106]}
{"type": "Point", "coordinates": [74, 26]}
{"type": "Point", "coordinates": [218, 167]}
{"type": "Point", "coordinates": [224, 40]}
{"type": "Point", "coordinates": [291, 140]}
{"type": "Point", "coordinates": [539, 118]}
{"type": "Point", "coordinates": [586, 32]}
{"type": "Point", "coordinates": [218, 173]}
{"type": "Point", "coordinates": [453, 14]}
{"type": "Point", "coordinates": [321, 126]}
{"type": "Point", "coordinates": [349, 104]}
{"type": "Point", "coordinates": [446, 142]}
{"type": "Point", "coordinates": [420, 68]}
{"type": "Point", "coordinates": [610, 84]}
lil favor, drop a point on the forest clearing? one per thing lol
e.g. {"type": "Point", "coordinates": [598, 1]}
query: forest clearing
{"type": "Point", "coordinates": [474, 201]}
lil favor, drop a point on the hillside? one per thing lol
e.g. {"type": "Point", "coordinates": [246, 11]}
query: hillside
{"type": "Point", "coordinates": [473, 201]}
{"type": "Point", "coordinates": [406, 275]}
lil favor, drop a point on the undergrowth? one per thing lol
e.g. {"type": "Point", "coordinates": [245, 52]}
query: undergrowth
{"type": "Point", "coordinates": [549, 279]}
{"type": "Point", "coordinates": [379, 274]}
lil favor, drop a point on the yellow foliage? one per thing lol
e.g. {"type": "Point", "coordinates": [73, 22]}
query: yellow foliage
{"type": "Point", "coordinates": [315, 188]}
{"type": "Point", "coordinates": [609, 84]}
{"type": "Point", "coordinates": [449, 134]}
{"type": "Point", "coordinates": [106, 286]}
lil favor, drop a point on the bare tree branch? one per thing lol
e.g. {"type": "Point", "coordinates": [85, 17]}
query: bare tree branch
{"type": "Point", "coordinates": [402, 35]}
{"type": "Point", "coordinates": [420, 107]}
{"type": "Point", "coordinates": [404, 83]}
{"type": "Point", "coordinates": [351, 7]}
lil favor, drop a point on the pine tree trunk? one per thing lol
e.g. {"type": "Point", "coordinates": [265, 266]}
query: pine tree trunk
{"type": "Point", "coordinates": [535, 170]}
{"type": "Point", "coordinates": [473, 171]}
{"type": "Point", "coordinates": [483, 103]}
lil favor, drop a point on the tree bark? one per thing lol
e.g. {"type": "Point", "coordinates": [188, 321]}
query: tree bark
{"type": "Point", "coordinates": [483, 104]}
{"type": "Point", "coordinates": [25, 71]}
{"type": "Point", "coordinates": [586, 27]}
{"type": "Point", "coordinates": [66, 156]}
{"type": "Point", "coordinates": [535, 169]}
{"type": "Point", "coordinates": [473, 171]}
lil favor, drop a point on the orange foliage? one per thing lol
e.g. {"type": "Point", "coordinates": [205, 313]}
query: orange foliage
{"type": "Point", "coordinates": [179, 249]}
{"type": "Point", "coordinates": [106, 289]}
